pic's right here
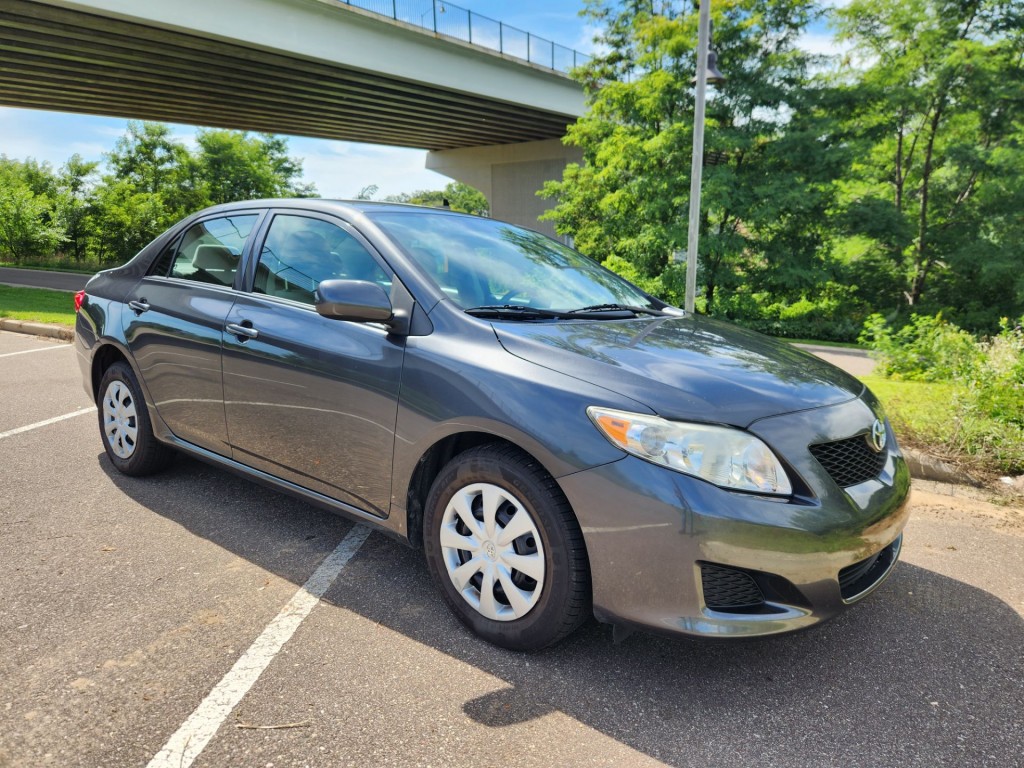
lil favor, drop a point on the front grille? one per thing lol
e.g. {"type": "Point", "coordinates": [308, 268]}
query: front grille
{"type": "Point", "coordinates": [850, 461]}
{"type": "Point", "coordinates": [726, 589]}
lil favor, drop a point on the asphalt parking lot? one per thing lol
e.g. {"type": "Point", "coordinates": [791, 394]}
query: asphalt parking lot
{"type": "Point", "coordinates": [126, 602]}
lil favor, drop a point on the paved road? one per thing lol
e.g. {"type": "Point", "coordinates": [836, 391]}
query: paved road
{"type": "Point", "coordinates": [37, 278]}
{"type": "Point", "coordinates": [124, 602]}
{"type": "Point", "coordinates": [854, 361]}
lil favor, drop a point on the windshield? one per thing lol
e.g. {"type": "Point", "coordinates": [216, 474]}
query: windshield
{"type": "Point", "coordinates": [484, 263]}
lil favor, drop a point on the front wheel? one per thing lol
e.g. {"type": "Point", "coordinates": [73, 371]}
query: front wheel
{"type": "Point", "coordinates": [124, 424]}
{"type": "Point", "coordinates": [505, 549]}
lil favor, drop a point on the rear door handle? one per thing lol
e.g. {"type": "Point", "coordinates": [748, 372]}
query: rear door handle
{"type": "Point", "coordinates": [243, 332]}
{"type": "Point", "coordinates": [138, 307]}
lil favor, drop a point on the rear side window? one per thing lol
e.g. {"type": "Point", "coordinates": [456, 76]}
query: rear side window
{"type": "Point", "coordinates": [209, 251]}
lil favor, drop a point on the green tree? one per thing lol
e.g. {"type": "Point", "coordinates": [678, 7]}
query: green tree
{"type": "Point", "coordinates": [367, 192]}
{"type": "Point", "coordinates": [152, 182]}
{"type": "Point", "coordinates": [936, 91]}
{"type": "Point", "coordinates": [772, 149]}
{"type": "Point", "coordinates": [431, 197]}
{"type": "Point", "coordinates": [152, 162]}
{"type": "Point", "coordinates": [27, 226]}
{"type": "Point", "coordinates": [74, 206]}
{"type": "Point", "coordinates": [232, 165]}
{"type": "Point", "coordinates": [461, 197]}
{"type": "Point", "coordinates": [39, 177]}
{"type": "Point", "coordinates": [125, 220]}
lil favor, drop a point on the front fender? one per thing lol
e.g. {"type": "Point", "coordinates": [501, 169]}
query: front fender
{"type": "Point", "coordinates": [478, 387]}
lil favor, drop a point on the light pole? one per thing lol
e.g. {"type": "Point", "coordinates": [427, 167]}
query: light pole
{"type": "Point", "coordinates": [697, 163]}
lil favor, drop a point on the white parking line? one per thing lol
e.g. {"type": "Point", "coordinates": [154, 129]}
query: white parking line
{"type": "Point", "coordinates": [195, 733]}
{"type": "Point", "coordinates": [47, 422]}
{"type": "Point", "coordinates": [39, 349]}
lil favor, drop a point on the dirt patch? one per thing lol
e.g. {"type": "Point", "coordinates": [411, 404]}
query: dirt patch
{"type": "Point", "coordinates": [991, 506]}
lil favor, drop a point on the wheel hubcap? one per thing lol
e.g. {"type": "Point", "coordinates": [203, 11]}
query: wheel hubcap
{"type": "Point", "coordinates": [492, 551]}
{"type": "Point", "coordinates": [120, 419]}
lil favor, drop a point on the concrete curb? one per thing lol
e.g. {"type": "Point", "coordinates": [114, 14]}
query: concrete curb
{"type": "Point", "coordinates": [48, 330]}
{"type": "Point", "coordinates": [925, 467]}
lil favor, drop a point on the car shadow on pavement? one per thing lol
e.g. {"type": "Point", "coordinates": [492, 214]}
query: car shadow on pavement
{"type": "Point", "coordinates": [927, 671]}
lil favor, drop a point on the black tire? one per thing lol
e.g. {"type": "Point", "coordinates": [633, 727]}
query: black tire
{"type": "Point", "coordinates": [130, 430]}
{"type": "Point", "coordinates": [563, 601]}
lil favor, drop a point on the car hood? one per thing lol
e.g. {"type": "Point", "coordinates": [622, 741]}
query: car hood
{"type": "Point", "coordinates": [688, 368]}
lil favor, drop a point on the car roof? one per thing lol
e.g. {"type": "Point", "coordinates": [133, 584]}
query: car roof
{"type": "Point", "coordinates": [328, 206]}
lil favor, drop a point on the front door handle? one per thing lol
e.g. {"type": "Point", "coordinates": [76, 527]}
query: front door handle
{"type": "Point", "coordinates": [243, 332]}
{"type": "Point", "coordinates": [138, 307]}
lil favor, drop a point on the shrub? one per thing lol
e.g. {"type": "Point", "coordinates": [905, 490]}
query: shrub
{"type": "Point", "coordinates": [832, 315]}
{"type": "Point", "coordinates": [926, 349]}
{"type": "Point", "coordinates": [997, 379]}
{"type": "Point", "coordinates": [982, 415]}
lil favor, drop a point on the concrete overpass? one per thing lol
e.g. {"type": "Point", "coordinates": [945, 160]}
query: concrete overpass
{"type": "Point", "coordinates": [317, 68]}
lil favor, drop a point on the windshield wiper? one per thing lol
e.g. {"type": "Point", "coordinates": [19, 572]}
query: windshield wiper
{"type": "Point", "coordinates": [615, 308]}
{"type": "Point", "coordinates": [519, 312]}
{"type": "Point", "coordinates": [516, 312]}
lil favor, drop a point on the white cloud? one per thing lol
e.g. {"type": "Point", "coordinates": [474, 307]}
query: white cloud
{"type": "Point", "coordinates": [113, 131]}
{"type": "Point", "coordinates": [89, 150]}
{"type": "Point", "coordinates": [341, 169]}
{"type": "Point", "coordinates": [185, 135]}
{"type": "Point", "coordinates": [585, 43]}
{"type": "Point", "coordinates": [822, 44]}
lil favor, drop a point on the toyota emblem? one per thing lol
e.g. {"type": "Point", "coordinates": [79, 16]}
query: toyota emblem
{"type": "Point", "coordinates": [878, 436]}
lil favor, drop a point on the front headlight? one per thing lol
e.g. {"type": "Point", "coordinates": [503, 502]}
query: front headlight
{"type": "Point", "coordinates": [727, 457]}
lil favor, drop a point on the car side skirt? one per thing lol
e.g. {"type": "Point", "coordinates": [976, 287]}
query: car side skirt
{"type": "Point", "coordinates": [317, 499]}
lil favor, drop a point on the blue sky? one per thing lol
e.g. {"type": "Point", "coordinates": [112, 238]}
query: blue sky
{"type": "Point", "coordinates": [339, 169]}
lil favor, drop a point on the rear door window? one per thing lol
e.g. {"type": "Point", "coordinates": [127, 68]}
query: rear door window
{"type": "Point", "coordinates": [209, 251]}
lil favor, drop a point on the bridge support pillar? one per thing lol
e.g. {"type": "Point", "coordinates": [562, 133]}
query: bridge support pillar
{"type": "Point", "coordinates": [509, 175]}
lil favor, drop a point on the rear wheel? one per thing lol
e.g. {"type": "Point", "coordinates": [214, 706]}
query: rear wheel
{"type": "Point", "coordinates": [124, 424]}
{"type": "Point", "coordinates": [506, 550]}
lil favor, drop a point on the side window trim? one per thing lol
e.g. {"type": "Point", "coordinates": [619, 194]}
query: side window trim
{"type": "Point", "coordinates": [252, 252]}
{"type": "Point", "coordinates": [172, 249]}
{"type": "Point", "coordinates": [249, 254]}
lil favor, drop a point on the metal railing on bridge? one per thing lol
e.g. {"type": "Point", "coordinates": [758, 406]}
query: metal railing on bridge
{"type": "Point", "coordinates": [449, 20]}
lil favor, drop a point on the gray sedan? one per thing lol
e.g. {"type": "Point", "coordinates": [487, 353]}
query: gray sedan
{"type": "Point", "coordinates": [558, 442]}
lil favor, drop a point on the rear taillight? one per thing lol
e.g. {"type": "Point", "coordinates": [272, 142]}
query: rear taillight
{"type": "Point", "coordinates": [79, 298]}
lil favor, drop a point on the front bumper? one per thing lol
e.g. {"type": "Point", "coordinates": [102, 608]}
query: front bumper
{"type": "Point", "coordinates": [654, 535]}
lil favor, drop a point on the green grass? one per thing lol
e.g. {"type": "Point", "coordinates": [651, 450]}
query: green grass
{"type": "Point", "coordinates": [919, 411]}
{"type": "Point", "coordinates": [38, 305]}
{"type": "Point", "coordinates": [80, 270]}
{"type": "Point", "coordinates": [937, 418]}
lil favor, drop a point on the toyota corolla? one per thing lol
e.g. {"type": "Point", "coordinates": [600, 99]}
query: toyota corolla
{"type": "Point", "coordinates": [559, 443]}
